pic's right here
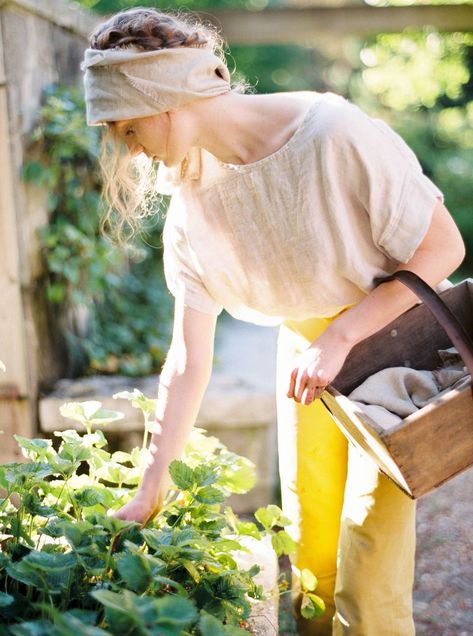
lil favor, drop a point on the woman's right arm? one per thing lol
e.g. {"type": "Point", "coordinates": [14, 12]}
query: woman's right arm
{"type": "Point", "coordinates": [184, 379]}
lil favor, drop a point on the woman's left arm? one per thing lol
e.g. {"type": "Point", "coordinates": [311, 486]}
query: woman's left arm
{"type": "Point", "coordinates": [439, 254]}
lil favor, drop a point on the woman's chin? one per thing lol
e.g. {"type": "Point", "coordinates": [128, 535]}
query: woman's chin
{"type": "Point", "coordinates": [170, 162]}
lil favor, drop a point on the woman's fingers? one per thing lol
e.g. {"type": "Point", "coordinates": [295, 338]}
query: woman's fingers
{"type": "Point", "coordinates": [304, 388]}
{"type": "Point", "coordinates": [292, 384]}
{"type": "Point", "coordinates": [308, 393]}
{"type": "Point", "coordinates": [301, 385]}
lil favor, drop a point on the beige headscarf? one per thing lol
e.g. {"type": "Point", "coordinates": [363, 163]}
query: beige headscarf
{"type": "Point", "coordinates": [126, 83]}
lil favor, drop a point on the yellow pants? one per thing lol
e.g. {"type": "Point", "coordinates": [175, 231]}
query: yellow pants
{"type": "Point", "coordinates": [353, 527]}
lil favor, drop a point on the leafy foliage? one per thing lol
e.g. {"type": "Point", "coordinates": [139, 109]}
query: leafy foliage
{"type": "Point", "coordinates": [67, 567]}
{"type": "Point", "coordinates": [119, 289]}
{"type": "Point", "coordinates": [421, 83]}
{"type": "Point", "coordinates": [112, 6]}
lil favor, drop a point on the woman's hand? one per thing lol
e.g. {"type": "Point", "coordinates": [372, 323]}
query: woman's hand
{"type": "Point", "coordinates": [141, 508]}
{"type": "Point", "coordinates": [317, 366]}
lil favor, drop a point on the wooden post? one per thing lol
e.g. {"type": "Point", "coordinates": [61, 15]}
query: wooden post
{"type": "Point", "coordinates": [15, 408]}
{"type": "Point", "coordinates": [303, 25]}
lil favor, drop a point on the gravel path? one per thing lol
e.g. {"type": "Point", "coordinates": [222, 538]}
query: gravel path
{"type": "Point", "coordinates": [443, 594]}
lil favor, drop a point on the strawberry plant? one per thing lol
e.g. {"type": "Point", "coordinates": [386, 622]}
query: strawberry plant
{"type": "Point", "coordinates": [68, 567]}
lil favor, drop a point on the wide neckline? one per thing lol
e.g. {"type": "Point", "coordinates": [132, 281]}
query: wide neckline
{"type": "Point", "coordinates": [245, 167]}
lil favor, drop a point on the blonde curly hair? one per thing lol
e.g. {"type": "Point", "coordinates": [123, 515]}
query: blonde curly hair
{"type": "Point", "coordinates": [129, 182]}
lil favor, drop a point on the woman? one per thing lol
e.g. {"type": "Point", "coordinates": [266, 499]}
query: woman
{"type": "Point", "coordinates": [284, 209]}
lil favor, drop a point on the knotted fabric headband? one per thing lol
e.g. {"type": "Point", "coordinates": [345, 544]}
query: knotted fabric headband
{"type": "Point", "coordinates": [127, 83]}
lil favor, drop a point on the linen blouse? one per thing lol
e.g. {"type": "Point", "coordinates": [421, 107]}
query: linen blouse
{"type": "Point", "coordinates": [304, 231]}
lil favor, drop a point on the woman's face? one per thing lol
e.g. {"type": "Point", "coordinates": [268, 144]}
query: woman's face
{"type": "Point", "coordinates": [157, 136]}
{"type": "Point", "coordinates": [144, 134]}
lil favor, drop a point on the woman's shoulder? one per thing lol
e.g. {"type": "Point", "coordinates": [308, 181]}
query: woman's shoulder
{"type": "Point", "coordinates": [329, 114]}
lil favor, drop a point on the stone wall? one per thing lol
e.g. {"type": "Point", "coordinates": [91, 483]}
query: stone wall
{"type": "Point", "coordinates": [41, 42]}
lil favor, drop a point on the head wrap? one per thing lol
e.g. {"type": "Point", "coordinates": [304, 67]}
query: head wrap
{"type": "Point", "coordinates": [127, 83]}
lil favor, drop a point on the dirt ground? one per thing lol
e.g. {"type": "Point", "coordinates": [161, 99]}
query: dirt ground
{"type": "Point", "coordinates": [443, 593]}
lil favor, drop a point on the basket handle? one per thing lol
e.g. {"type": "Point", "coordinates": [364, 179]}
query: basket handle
{"type": "Point", "coordinates": [442, 313]}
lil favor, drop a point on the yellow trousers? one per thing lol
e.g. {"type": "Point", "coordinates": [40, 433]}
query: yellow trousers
{"type": "Point", "coordinates": [353, 527]}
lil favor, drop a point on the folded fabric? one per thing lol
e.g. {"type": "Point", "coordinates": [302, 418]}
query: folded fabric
{"type": "Point", "coordinates": [390, 395]}
{"type": "Point", "coordinates": [126, 82]}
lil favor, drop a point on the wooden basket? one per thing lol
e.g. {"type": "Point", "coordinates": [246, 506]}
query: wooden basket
{"type": "Point", "coordinates": [435, 443]}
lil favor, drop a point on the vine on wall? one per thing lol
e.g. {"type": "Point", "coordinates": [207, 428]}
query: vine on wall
{"type": "Point", "coordinates": [118, 292]}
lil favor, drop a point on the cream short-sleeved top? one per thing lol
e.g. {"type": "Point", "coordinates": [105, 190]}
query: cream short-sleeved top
{"type": "Point", "coordinates": [304, 231]}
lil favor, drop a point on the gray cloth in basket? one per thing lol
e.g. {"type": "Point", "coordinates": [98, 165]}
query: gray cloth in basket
{"type": "Point", "coordinates": [390, 395]}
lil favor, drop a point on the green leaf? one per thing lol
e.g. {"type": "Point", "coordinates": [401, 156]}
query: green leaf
{"type": "Point", "coordinates": [270, 516]}
{"type": "Point", "coordinates": [154, 538]}
{"type": "Point", "coordinates": [205, 475]}
{"type": "Point", "coordinates": [36, 447]}
{"type": "Point", "coordinates": [22, 473]}
{"type": "Point", "coordinates": [6, 599]}
{"type": "Point", "coordinates": [248, 528]}
{"type": "Point", "coordinates": [114, 525]}
{"type": "Point", "coordinates": [50, 561]}
{"type": "Point", "coordinates": [121, 457]}
{"type": "Point", "coordinates": [138, 401]}
{"type": "Point", "coordinates": [90, 412]}
{"type": "Point", "coordinates": [265, 517]}
{"type": "Point", "coordinates": [32, 505]}
{"type": "Point", "coordinates": [308, 580]}
{"type": "Point", "coordinates": [229, 545]}
{"type": "Point", "coordinates": [176, 610]}
{"type": "Point", "coordinates": [193, 571]}
{"type": "Point", "coordinates": [312, 606]}
{"type": "Point", "coordinates": [282, 543]}
{"type": "Point", "coordinates": [135, 572]}
{"type": "Point", "coordinates": [88, 497]}
{"type": "Point", "coordinates": [209, 495]}
{"type": "Point", "coordinates": [170, 615]}
{"type": "Point", "coordinates": [33, 628]}
{"type": "Point", "coordinates": [33, 171]}
{"type": "Point", "coordinates": [186, 536]}
{"type": "Point", "coordinates": [181, 474]}
{"type": "Point", "coordinates": [137, 456]}
{"type": "Point", "coordinates": [210, 626]}
{"type": "Point", "coordinates": [240, 478]}
{"type": "Point", "coordinates": [56, 292]}
{"type": "Point", "coordinates": [68, 623]}
{"type": "Point", "coordinates": [119, 602]}
{"type": "Point", "coordinates": [73, 533]}
{"type": "Point", "coordinates": [23, 572]}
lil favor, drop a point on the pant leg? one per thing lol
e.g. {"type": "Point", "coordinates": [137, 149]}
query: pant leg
{"type": "Point", "coordinates": [313, 466]}
{"type": "Point", "coordinates": [372, 589]}
{"type": "Point", "coordinates": [373, 592]}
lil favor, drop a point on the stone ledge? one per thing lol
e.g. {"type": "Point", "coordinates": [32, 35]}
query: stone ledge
{"type": "Point", "coordinates": [228, 403]}
{"type": "Point", "coordinates": [68, 15]}
{"type": "Point", "coordinates": [264, 614]}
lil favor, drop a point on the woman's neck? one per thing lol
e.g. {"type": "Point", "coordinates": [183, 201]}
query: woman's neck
{"type": "Point", "coordinates": [241, 129]}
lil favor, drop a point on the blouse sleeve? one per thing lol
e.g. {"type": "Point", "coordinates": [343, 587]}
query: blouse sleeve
{"type": "Point", "coordinates": [180, 274]}
{"type": "Point", "coordinates": [376, 165]}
